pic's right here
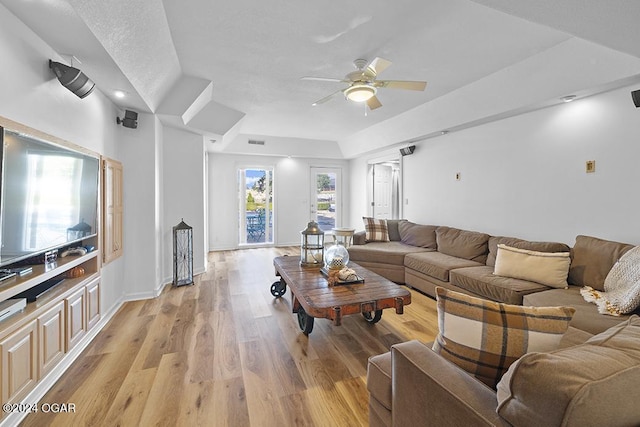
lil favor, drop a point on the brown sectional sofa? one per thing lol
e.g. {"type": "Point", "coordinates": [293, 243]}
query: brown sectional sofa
{"type": "Point", "coordinates": [423, 388]}
{"type": "Point", "coordinates": [589, 381]}
{"type": "Point", "coordinates": [426, 256]}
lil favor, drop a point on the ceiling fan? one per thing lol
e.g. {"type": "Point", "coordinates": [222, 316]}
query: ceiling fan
{"type": "Point", "coordinates": [363, 85]}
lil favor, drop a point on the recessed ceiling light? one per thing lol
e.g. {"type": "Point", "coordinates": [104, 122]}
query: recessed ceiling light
{"type": "Point", "coordinates": [119, 94]}
{"type": "Point", "coordinates": [568, 98]}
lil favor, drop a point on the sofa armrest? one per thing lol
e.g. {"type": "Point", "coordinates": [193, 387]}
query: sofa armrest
{"type": "Point", "coordinates": [359, 238]}
{"type": "Point", "coordinates": [430, 391]}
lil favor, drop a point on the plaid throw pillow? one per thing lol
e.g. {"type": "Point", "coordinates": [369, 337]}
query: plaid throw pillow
{"type": "Point", "coordinates": [485, 337]}
{"type": "Point", "coordinates": [376, 229]}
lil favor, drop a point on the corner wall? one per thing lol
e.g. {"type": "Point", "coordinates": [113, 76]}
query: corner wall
{"type": "Point", "coordinates": [525, 176]}
{"type": "Point", "coordinates": [183, 184]}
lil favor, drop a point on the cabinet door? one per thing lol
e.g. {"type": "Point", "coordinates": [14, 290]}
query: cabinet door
{"type": "Point", "coordinates": [75, 306]}
{"type": "Point", "coordinates": [51, 334]}
{"type": "Point", "coordinates": [112, 210]}
{"type": "Point", "coordinates": [93, 303]}
{"type": "Point", "coordinates": [19, 363]}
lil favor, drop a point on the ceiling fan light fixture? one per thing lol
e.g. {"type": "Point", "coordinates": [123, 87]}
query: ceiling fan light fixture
{"type": "Point", "coordinates": [359, 92]}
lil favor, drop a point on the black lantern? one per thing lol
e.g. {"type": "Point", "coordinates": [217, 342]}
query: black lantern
{"type": "Point", "coordinates": [182, 254]}
{"type": "Point", "coordinates": [312, 246]}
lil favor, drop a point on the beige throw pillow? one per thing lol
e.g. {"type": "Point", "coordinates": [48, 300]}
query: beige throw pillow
{"type": "Point", "coordinates": [547, 268]}
{"type": "Point", "coordinates": [485, 337]}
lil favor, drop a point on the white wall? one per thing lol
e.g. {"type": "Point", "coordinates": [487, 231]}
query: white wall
{"type": "Point", "coordinates": [183, 185]}
{"type": "Point", "coordinates": [525, 176]}
{"type": "Point", "coordinates": [141, 216]}
{"type": "Point", "coordinates": [31, 95]}
{"type": "Point", "coordinates": [291, 196]}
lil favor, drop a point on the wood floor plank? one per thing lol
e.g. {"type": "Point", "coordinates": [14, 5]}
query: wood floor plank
{"type": "Point", "coordinates": [167, 385]}
{"type": "Point", "coordinates": [129, 403]}
{"type": "Point", "coordinates": [225, 352]}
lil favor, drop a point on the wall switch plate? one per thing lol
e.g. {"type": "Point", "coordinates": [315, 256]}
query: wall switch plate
{"type": "Point", "coordinates": [590, 166]}
{"type": "Point", "coordinates": [457, 176]}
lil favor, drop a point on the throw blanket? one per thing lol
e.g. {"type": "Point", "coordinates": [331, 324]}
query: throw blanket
{"type": "Point", "coordinates": [621, 286]}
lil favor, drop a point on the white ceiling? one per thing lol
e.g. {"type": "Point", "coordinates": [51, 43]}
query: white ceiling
{"type": "Point", "coordinates": [232, 67]}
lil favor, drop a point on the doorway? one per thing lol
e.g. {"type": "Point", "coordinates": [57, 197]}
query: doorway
{"type": "Point", "coordinates": [385, 184]}
{"type": "Point", "coordinates": [256, 205]}
{"type": "Point", "coordinates": [326, 202]}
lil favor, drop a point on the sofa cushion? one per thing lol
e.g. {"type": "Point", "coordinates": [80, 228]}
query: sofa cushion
{"type": "Point", "coordinates": [392, 229]}
{"type": "Point", "coordinates": [592, 259]}
{"type": "Point", "coordinates": [436, 264]}
{"type": "Point", "coordinates": [379, 378]}
{"type": "Point", "coordinates": [376, 229]}
{"type": "Point", "coordinates": [462, 243]}
{"type": "Point", "coordinates": [547, 268]}
{"type": "Point", "coordinates": [597, 379]}
{"type": "Point", "coordinates": [514, 242]}
{"type": "Point", "coordinates": [382, 252]}
{"type": "Point", "coordinates": [481, 281]}
{"type": "Point", "coordinates": [423, 236]}
{"type": "Point", "coordinates": [485, 337]}
{"type": "Point", "coordinates": [586, 317]}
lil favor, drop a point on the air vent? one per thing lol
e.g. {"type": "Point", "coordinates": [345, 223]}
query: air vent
{"type": "Point", "coordinates": [255, 142]}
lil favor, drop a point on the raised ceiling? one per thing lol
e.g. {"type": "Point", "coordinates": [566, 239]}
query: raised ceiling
{"type": "Point", "coordinates": [231, 69]}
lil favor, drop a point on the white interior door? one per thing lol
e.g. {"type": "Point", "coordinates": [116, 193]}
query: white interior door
{"type": "Point", "coordinates": [326, 202]}
{"type": "Point", "coordinates": [382, 191]}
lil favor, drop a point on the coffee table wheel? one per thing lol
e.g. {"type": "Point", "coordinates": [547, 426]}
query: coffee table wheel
{"type": "Point", "coordinates": [373, 316]}
{"type": "Point", "coordinates": [278, 288]}
{"type": "Point", "coordinates": [305, 321]}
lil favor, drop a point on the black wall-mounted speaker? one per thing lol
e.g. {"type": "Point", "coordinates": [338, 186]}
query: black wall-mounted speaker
{"type": "Point", "coordinates": [73, 79]}
{"type": "Point", "coordinates": [130, 119]}
{"type": "Point", "coordinates": [635, 95]}
{"type": "Point", "coordinates": [407, 150]}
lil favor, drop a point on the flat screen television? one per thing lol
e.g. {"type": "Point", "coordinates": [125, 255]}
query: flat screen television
{"type": "Point", "coordinates": [48, 196]}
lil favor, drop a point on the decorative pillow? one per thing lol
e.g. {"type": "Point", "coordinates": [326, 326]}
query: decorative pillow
{"type": "Point", "coordinates": [547, 268]}
{"type": "Point", "coordinates": [376, 229]}
{"type": "Point", "coordinates": [485, 337]}
{"type": "Point", "coordinates": [587, 384]}
{"type": "Point", "coordinates": [514, 242]}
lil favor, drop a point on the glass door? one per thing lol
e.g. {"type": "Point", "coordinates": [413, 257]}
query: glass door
{"type": "Point", "coordinates": [325, 197]}
{"type": "Point", "coordinates": [256, 205]}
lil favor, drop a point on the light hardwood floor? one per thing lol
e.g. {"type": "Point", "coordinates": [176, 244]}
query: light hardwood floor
{"type": "Point", "coordinates": [225, 352]}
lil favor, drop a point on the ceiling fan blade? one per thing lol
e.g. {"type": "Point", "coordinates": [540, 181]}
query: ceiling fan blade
{"type": "Point", "coordinates": [322, 79]}
{"type": "Point", "coordinates": [401, 84]}
{"type": "Point", "coordinates": [374, 102]}
{"type": "Point", "coordinates": [378, 65]}
{"type": "Point", "coordinates": [326, 98]}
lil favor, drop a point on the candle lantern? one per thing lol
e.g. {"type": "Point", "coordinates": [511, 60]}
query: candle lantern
{"type": "Point", "coordinates": [312, 246]}
{"type": "Point", "coordinates": [336, 257]}
{"type": "Point", "coordinates": [182, 254]}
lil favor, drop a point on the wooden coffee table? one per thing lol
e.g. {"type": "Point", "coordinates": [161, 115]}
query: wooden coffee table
{"type": "Point", "coordinates": [313, 297]}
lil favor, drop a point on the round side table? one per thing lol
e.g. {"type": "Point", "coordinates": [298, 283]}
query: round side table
{"type": "Point", "coordinates": [343, 235]}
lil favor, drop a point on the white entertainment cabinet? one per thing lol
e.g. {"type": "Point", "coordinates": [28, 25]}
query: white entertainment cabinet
{"type": "Point", "coordinates": [38, 344]}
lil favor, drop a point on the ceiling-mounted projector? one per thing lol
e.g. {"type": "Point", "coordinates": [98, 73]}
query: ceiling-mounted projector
{"type": "Point", "coordinates": [73, 79]}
